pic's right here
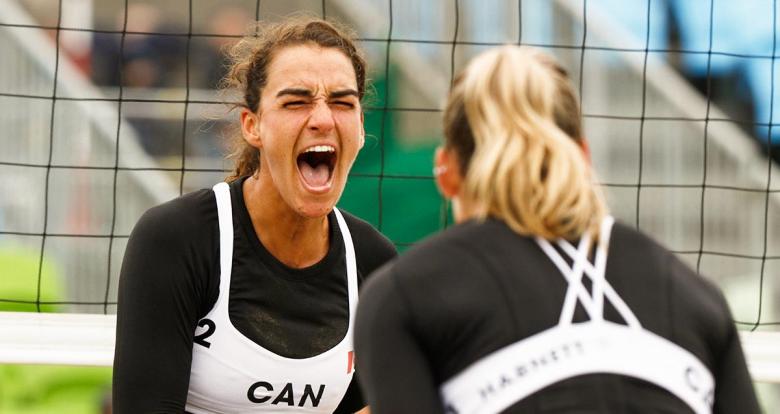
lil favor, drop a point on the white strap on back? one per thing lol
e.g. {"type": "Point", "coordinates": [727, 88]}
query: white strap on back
{"type": "Point", "coordinates": [225, 214]}
{"type": "Point", "coordinates": [516, 371]}
{"type": "Point", "coordinates": [592, 303]}
{"type": "Point", "coordinates": [499, 380]}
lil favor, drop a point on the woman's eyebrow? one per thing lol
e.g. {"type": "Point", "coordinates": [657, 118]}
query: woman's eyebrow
{"type": "Point", "coordinates": [295, 92]}
{"type": "Point", "coordinates": [342, 93]}
{"type": "Point", "coordinates": [308, 93]}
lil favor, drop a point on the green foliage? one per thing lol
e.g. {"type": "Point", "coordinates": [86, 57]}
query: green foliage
{"type": "Point", "coordinates": [19, 269]}
{"type": "Point", "coordinates": [42, 389]}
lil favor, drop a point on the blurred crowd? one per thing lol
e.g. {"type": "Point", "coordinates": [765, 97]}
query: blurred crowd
{"type": "Point", "coordinates": [160, 59]}
{"type": "Point", "coordinates": [157, 53]}
{"type": "Point", "coordinates": [725, 53]}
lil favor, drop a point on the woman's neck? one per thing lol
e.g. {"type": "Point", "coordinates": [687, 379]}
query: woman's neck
{"type": "Point", "coordinates": [294, 240]}
{"type": "Point", "coordinates": [463, 208]}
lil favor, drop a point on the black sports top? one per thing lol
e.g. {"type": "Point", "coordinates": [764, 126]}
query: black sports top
{"type": "Point", "coordinates": [170, 280]}
{"type": "Point", "coordinates": [478, 288]}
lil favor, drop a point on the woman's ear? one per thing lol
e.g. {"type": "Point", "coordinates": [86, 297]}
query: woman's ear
{"type": "Point", "coordinates": [362, 131]}
{"type": "Point", "coordinates": [583, 143]}
{"type": "Point", "coordinates": [446, 171]}
{"type": "Point", "coordinates": [250, 125]}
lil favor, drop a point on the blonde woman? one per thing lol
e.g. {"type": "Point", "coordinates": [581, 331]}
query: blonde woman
{"type": "Point", "coordinates": [537, 301]}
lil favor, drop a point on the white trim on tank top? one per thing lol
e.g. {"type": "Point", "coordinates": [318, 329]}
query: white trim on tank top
{"type": "Point", "coordinates": [226, 260]}
{"type": "Point", "coordinates": [230, 373]}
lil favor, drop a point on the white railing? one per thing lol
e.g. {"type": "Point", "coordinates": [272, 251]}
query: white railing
{"type": "Point", "coordinates": [84, 339]}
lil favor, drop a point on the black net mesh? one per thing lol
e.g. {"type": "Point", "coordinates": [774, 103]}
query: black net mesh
{"type": "Point", "coordinates": [110, 107]}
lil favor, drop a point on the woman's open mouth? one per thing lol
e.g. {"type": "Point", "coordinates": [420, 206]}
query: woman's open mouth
{"type": "Point", "coordinates": [316, 165]}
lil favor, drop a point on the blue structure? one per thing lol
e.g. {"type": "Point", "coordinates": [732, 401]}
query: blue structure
{"type": "Point", "coordinates": [743, 37]}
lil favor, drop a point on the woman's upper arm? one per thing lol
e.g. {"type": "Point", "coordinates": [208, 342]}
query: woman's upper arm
{"type": "Point", "coordinates": [734, 390]}
{"type": "Point", "coordinates": [394, 372]}
{"type": "Point", "coordinates": [159, 300]}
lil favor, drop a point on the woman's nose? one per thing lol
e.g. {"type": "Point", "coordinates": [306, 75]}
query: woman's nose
{"type": "Point", "coordinates": [321, 118]}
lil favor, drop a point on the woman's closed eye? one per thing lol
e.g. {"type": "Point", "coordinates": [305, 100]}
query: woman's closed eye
{"type": "Point", "coordinates": [295, 104]}
{"type": "Point", "coordinates": [343, 104]}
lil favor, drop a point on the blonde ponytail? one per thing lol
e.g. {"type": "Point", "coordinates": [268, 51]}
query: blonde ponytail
{"type": "Point", "coordinates": [524, 165]}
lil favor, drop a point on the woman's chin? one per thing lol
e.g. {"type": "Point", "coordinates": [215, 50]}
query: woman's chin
{"type": "Point", "coordinates": [316, 202]}
{"type": "Point", "coordinates": [316, 209]}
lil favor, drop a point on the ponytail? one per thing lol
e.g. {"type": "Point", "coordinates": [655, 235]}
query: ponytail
{"type": "Point", "coordinates": [514, 121]}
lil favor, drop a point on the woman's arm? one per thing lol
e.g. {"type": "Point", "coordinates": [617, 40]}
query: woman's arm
{"type": "Point", "coordinates": [734, 391]}
{"type": "Point", "coordinates": [372, 250]}
{"type": "Point", "coordinates": [394, 372]}
{"type": "Point", "coordinates": [160, 292]}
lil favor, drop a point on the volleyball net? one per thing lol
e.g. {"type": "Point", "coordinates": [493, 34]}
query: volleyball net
{"type": "Point", "coordinates": [109, 108]}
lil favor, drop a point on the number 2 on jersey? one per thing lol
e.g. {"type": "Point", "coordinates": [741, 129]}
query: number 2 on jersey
{"type": "Point", "coordinates": [210, 328]}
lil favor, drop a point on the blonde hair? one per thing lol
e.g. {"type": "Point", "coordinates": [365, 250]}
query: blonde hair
{"type": "Point", "coordinates": [513, 119]}
{"type": "Point", "coordinates": [250, 58]}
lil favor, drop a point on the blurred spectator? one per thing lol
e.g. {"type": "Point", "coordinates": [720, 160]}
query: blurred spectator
{"type": "Point", "coordinates": [142, 60]}
{"type": "Point", "coordinates": [228, 24]}
{"type": "Point", "coordinates": [151, 54]}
